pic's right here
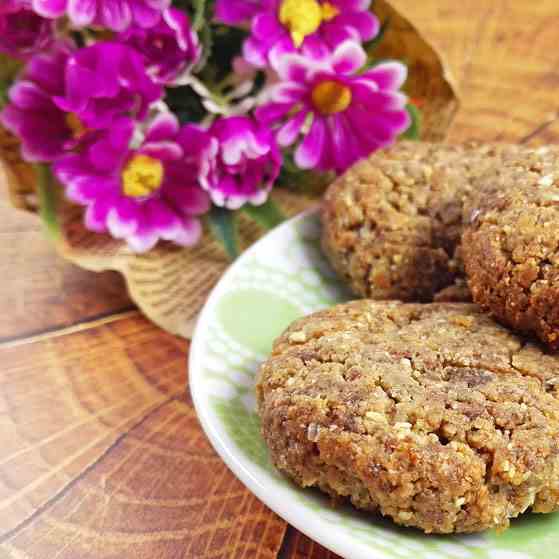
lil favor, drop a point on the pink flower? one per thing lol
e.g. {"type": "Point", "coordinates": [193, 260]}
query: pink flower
{"type": "Point", "coordinates": [240, 161]}
{"type": "Point", "coordinates": [22, 32]}
{"type": "Point", "coordinates": [281, 26]}
{"type": "Point", "coordinates": [140, 195]}
{"type": "Point", "coordinates": [342, 115]}
{"type": "Point", "coordinates": [45, 131]}
{"type": "Point", "coordinates": [65, 97]}
{"type": "Point", "coordinates": [168, 48]}
{"type": "Point", "coordinates": [106, 81]}
{"type": "Point", "coordinates": [117, 15]}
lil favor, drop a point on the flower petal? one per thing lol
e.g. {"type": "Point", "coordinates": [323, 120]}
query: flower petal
{"type": "Point", "coordinates": [309, 152]}
{"type": "Point", "coordinates": [50, 8]}
{"type": "Point", "coordinates": [95, 218]}
{"type": "Point", "coordinates": [115, 15]}
{"type": "Point", "coordinates": [166, 151]}
{"type": "Point", "coordinates": [348, 57]}
{"type": "Point", "coordinates": [26, 95]}
{"type": "Point", "coordinates": [294, 67]}
{"type": "Point", "coordinates": [352, 5]}
{"type": "Point", "coordinates": [288, 133]}
{"type": "Point", "coordinates": [190, 232]}
{"type": "Point", "coordinates": [266, 26]}
{"type": "Point", "coordinates": [123, 219]}
{"type": "Point", "coordinates": [272, 111]}
{"type": "Point", "coordinates": [233, 12]}
{"type": "Point", "coordinates": [364, 22]}
{"type": "Point", "coordinates": [388, 75]}
{"type": "Point", "coordinates": [143, 15]}
{"type": "Point", "coordinates": [82, 12]}
{"type": "Point", "coordinates": [190, 200]}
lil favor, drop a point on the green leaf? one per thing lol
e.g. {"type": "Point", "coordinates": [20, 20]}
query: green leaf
{"type": "Point", "coordinates": [222, 226]}
{"type": "Point", "coordinates": [268, 215]}
{"type": "Point", "coordinates": [48, 200]}
{"type": "Point", "coordinates": [414, 131]}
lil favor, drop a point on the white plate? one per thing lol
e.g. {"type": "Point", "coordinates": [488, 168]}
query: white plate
{"type": "Point", "coordinates": [280, 278]}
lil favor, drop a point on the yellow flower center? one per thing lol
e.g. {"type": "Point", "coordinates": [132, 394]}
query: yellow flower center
{"type": "Point", "coordinates": [77, 127]}
{"type": "Point", "coordinates": [304, 17]}
{"type": "Point", "coordinates": [331, 97]}
{"type": "Point", "coordinates": [142, 176]}
{"type": "Point", "coordinates": [329, 12]}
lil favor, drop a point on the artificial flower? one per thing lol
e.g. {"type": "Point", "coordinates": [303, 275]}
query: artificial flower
{"type": "Point", "coordinates": [168, 48]}
{"type": "Point", "coordinates": [143, 194]}
{"type": "Point", "coordinates": [23, 32]}
{"type": "Point", "coordinates": [342, 115]}
{"type": "Point", "coordinates": [315, 26]}
{"type": "Point", "coordinates": [240, 162]}
{"type": "Point", "coordinates": [116, 15]}
{"type": "Point", "coordinates": [106, 81]}
{"type": "Point", "coordinates": [45, 131]}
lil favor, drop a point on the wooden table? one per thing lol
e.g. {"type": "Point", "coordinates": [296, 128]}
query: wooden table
{"type": "Point", "coordinates": [101, 454]}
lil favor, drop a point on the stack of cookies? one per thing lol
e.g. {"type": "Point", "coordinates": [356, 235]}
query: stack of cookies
{"type": "Point", "coordinates": [440, 413]}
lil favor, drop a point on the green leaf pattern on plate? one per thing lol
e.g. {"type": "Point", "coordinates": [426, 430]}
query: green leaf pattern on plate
{"type": "Point", "coordinates": [265, 295]}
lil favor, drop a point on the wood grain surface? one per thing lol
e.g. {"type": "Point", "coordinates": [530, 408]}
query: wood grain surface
{"type": "Point", "coordinates": [101, 455]}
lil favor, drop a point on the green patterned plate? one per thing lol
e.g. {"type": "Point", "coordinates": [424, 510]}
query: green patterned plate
{"type": "Point", "coordinates": [280, 278]}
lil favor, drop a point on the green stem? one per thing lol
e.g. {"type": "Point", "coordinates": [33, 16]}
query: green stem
{"type": "Point", "coordinates": [48, 201]}
{"type": "Point", "coordinates": [199, 13]}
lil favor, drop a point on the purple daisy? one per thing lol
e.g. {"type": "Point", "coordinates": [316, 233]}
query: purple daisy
{"type": "Point", "coordinates": [168, 48]}
{"type": "Point", "coordinates": [104, 82]}
{"type": "Point", "coordinates": [23, 32]}
{"type": "Point", "coordinates": [240, 161]}
{"type": "Point", "coordinates": [342, 115]}
{"type": "Point", "coordinates": [283, 26]}
{"type": "Point", "coordinates": [45, 131]}
{"type": "Point", "coordinates": [117, 15]}
{"type": "Point", "coordinates": [64, 97]}
{"type": "Point", "coordinates": [140, 195]}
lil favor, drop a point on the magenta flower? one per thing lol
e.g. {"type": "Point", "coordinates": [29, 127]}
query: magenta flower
{"type": "Point", "coordinates": [240, 161]}
{"type": "Point", "coordinates": [23, 32]}
{"type": "Point", "coordinates": [140, 195]}
{"type": "Point", "coordinates": [341, 114]}
{"type": "Point", "coordinates": [283, 26]}
{"type": "Point", "coordinates": [45, 131]}
{"type": "Point", "coordinates": [107, 81]}
{"type": "Point", "coordinates": [117, 15]}
{"type": "Point", "coordinates": [168, 48]}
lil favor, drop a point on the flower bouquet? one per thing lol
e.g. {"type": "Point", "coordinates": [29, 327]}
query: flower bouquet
{"type": "Point", "coordinates": [142, 130]}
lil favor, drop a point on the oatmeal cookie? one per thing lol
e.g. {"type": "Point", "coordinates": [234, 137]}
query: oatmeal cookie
{"type": "Point", "coordinates": [511, 244]}
{"type": "Point", "coordinates": [392, 224]}
{"type": "Point", "coordinates": [433, 415]}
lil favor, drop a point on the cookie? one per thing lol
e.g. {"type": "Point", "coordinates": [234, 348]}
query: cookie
{"type": "Point", "coordinates": [392, 224]}
{"type": "Point", "coordinates": [511, 244]}
{"type": "Point", "coordinates": [433, 415]}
